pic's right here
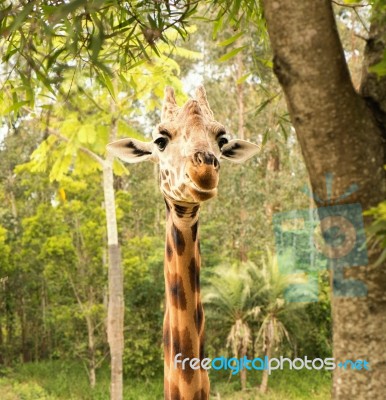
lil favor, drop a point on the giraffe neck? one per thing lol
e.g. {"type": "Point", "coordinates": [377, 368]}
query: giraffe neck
{"type": "Point", "coordinates": [184, 316]}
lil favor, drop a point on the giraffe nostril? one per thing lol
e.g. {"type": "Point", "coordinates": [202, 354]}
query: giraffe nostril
{"type": "Point", "coordinates": [206, 158]}
{"type": "Point", "coordinates": [199, 158]}
{"type": "Point", "coordinates": [216, 164]}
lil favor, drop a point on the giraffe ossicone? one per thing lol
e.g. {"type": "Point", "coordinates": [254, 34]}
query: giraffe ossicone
{"type": "Point", "coordinates": [188, 144]}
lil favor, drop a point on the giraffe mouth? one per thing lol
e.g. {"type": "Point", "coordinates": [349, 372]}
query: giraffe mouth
{"type": "Point", "coordinates": [197, 188]}
{"type": "Point", "coordinates": [201, 190]}
{"type": "Point", "coordinates": [198, 193]}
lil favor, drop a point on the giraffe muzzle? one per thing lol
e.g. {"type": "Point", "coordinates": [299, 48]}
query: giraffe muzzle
{"type": "Point", "coordinates": [203, 172]}
{"type": "Point", "coordinates": [204, 157]}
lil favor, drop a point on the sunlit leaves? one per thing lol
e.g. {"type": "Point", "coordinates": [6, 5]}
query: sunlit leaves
{"type": "Point", "coordinates": [80, 124]}
{"type": "Point", "coordinates": [119, 168]}
{"type": "Point", "coordinates": [380, 68]}
{"type": "Point", "coordinates": [4, 252]}
{"type": "Point", "coordinates": [231, 54]}
{"type": "Point", "coordinates": [230, 40]}
{"type": "Point", "coordinates": [87, 133]}
{"type": "Point", "coordinates": [377, 230]}
{"type": "Point", "coordinates": [43, 41]}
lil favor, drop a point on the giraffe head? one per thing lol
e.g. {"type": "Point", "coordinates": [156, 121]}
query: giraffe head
{"type": "Point", "coordinates": [188, 145]}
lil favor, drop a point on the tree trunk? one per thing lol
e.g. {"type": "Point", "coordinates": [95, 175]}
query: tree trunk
{"type": "Point", "coordinates": [339, 133]}
{"type": "Point", "coordinates": [25, 350]}
{"type": "Point", "coordinates": [91, 351]}
{"type": "Point", "coordinates": [9, 324]}
{"type": "Point", "coordinates": [243, 250]}
{"type": "Point", "coordinates": [44, 343]}
{"type": "Point", "coordinates": [265, 376]}
{"type": "Point", "coordinates": [243, 374]}
{"type": "Point", "coordinates": [116, 300]}
{"type": "Point", "coordinates": [240, 95]}
{"type": "Point", "coordinates": [1, 345]}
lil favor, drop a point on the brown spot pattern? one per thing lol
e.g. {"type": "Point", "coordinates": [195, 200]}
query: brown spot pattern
{"type": "Point", "coordinates": [176, 342]}
{"type": "Point", "coordinates": [180, 210]}
{"type": "Point", "coordinates": [202, 348]}
{"type": "Point", "coordinates": [167, 209]}
{"type": "Point", "coordinates": [166, 338]}
{"type": "Point", "coordinates": [194, 231]}
{"type": "Point", "coordinates": [178, 239]}
{"type": "Point", "coordinates": [195, 210]}
{"type": "Point", "coordinates": [187, 351]}
{"type": "Point", "coordinates": [194, 275]}
{"type": "Point", "coordinates": [199, 317]}
{"type": "Point", "coordinates": [182, 343]}
{"type": "Point", "coordinates": [175, 393]}
{"type": "Point", "coordinates": [177, 291]}
{"type": "Point", "coordinates": [200, 395]}
{"type": "Point", "coordinates": [169, 251]}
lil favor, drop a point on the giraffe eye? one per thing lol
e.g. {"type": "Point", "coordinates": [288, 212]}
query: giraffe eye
{"type": "Point", "coordinates": [222, 141]}
{"type": "Point", "coordinates": [161, 143]}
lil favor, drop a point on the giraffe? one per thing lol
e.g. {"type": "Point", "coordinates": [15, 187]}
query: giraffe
{"type": "Point", "coordinates": [187, 144]}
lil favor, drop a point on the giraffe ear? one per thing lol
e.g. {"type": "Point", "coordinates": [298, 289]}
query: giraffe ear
{"type": "Point", "coordinates": [131, 150]}
{"type": "Point", "coordinates": [238, 150]}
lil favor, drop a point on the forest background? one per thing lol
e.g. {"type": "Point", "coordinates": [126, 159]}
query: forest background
{"type": "Point", "coordinates": [54, 258]}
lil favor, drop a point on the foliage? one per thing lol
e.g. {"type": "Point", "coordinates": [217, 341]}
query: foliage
{"type": "Point", "coordinates": [144, 316]}
{"type": "Point", "coordinates": [47, 41]}
{"type": "Point", "coordinates": [26, 391]}
{"type": "Point", "coordinates": [231, 295]}
{"type": "Point", "coordinates": [80, 128]}
{"type": "Point", "coordinates": [377, 230]}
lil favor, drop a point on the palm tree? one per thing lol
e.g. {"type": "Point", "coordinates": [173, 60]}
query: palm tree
{"type": "Point", "coordinates": [230, 295]}
{"type": "Point", "coordinates": [275, 312]}
{"type": "Point", "coordinates": [243, 294]}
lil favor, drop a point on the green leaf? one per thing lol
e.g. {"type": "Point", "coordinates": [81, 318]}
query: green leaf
{"type": "Point", "coordinates": [119, 168]}
{"type": "Point", "coordinates": [106, 81]}
{"type": "Point", "coordinates": [380, 68]}
{"type": "Point", "coordinates": [216, 27]}
{"type": "Point", "coordinates": [86, 134]}
{"type": "Point", "coordinates": [16, 106]}
{"type": "Point", "coordinates": [265, 62]}
{"type": "Point", "coordinates": [231, 54]}
{"type": "Point", "coordinates": [265, 137]}
{"type": "Point", "coordinates": [381, 259]}
{"type": "Point", "coordinates": [82, 135]}
{"type": "Point", "coordinates": [261, 106]}
{"type": "Point", "coordinates": [231, 39]}
{"type": "Point", "coordinates": [60, 167]}
{"type": "Point", "coordinates": [284, 131]}
{"type": "Point", "coordinates": [20, 17]}
{"type": "Point", "coordinates": [243, 78]}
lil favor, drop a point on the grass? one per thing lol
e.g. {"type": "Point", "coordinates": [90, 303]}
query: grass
{"type": "Point", "coordinates": [283, 385]}
{"type": "Point", "coordinates": [57, 380]}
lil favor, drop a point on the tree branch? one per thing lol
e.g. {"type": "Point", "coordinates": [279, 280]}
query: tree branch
{"type": "Point", "coordinates": [85, 150]}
